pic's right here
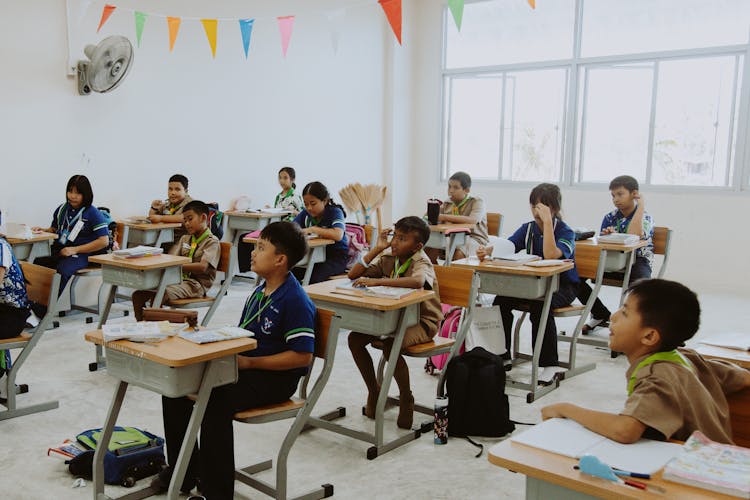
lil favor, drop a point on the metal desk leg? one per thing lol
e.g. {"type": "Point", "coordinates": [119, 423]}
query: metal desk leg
{"type": "Point", "coordinates": [168, 275]}
{"type": "Point", "coordinates": [109, 424]}
{"type": "Point", "coordinates": [125, 235]}
{"type": "Point", "coordinates": [164, 236]}
{"type": "Point", "coordinates": [309, 268]}
{"type": "Point", "coordinates": [101, 361]}
{"type": "Point", "coordinates": [451, 249]}
{"type": "Point", "coordinates": [626, 277]}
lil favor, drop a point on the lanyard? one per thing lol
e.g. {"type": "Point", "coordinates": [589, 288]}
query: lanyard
{"type": "Point", "coordinates": [194, 243]}
{"type": "Point", "coordinates": [530, 236]}
{"type": "Point", "coordinates": [173, 208]}
{"type": "Point", "coordinates": [311, 221]}
{"type": "Point", "coordinates": [399, 270]}
{"type": "Point", "coordinates": [61, 216]}
{"type": "Point", "coordinates": [257, 296]}
{"type": "Point", "coordinates": [457, 208]}
{"type": "Point", "coordinates": [673, 356]}
{"type": "Point", "coordinates": [279, 197]}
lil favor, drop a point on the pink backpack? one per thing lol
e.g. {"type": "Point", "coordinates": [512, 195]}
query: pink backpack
{"type": "Point", "coordinates": [448, 329]}
{"type": "Point", "coordinates": [357, 243]}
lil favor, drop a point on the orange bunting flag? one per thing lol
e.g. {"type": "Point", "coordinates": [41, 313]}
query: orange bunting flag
{"type": "Point", "coordinates": [532, 3]}
{"type": "Point", "coordinates": [174, 28]}
{"type": "Point", "coordinates": [392, 10]}
{"type": "Point", "coordinates": [106, 12]}
{"type": "Point", "coordinates": [209, 25]}
{"type": "Point", "coordinates": [285, 27]}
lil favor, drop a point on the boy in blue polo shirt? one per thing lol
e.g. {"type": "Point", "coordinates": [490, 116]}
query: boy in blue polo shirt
{"type": "Point", "coordinates": [282, 317]}
{"type": "Point", "coordinates": [628, 217]}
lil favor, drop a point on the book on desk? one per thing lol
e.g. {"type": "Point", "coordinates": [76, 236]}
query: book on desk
{"type": "Point", "coordinates": [137, 252]}
{"type": "Point", "coordinates": [620, 238]}
{"type": "Point", "coordinates": [383, 292]}
{"type": "Point", "coordinates": [215, 335]}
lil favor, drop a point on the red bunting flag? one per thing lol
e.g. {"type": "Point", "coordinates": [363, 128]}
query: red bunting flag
{"type": "Point", "coordinates": [106, 12]}
{"type": "Point", "coordinates": [392, 10]}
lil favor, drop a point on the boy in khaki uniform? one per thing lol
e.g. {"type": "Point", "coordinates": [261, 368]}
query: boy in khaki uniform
{"type": "Point", "coordinates": [671, 392]}
{"type": "Point", "coordinates": [402, 263]}
{"type": "Point", "coordinates": [460, 208]}
{"type": "Point", "coordinates": [204, 250]}
{"type": "Point", "coordinates": [170, 210]}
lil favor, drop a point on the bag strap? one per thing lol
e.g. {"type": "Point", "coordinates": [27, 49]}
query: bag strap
{"type": "Point", "coordinates": [478, 445]}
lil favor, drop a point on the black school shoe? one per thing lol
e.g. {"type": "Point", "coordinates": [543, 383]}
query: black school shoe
{"type": "Point", "coordinates": [161, 482]}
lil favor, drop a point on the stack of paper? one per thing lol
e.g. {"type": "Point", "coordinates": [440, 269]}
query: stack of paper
{"type": "Point", "coordinates": [383, 292]}
{"type": "Point", "coordinates": [731, 340]}
{"type": "Point", "coordinates": [136, 252]}
{"type": "Point", "coordinates": [215, 335]}
{"type": "Point", "coordinates": [145, 331]}
{"type": "Point", "coordinates": [620, 238]}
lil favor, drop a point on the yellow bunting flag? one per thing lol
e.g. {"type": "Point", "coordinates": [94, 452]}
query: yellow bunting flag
{"type": "Point", "coordinates": [532, 3]}
{"type": "Point", "coordinates": [106, 12]}
{"type": "Point", "coordinates": [392, 10]}
{"type": "Point", "coordinates": [174, 28]}
{"type": "Point", "coordinates": [209, 25]}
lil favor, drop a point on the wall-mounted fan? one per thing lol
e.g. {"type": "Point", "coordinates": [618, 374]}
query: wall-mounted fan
{"type": "Point", "coordinates": [108, 63]}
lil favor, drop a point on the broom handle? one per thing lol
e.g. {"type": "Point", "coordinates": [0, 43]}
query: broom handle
{"type": "Point", "coordinates": [380, 219]}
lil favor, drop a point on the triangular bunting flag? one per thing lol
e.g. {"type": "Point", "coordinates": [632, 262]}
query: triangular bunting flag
{"type": "Point", "coordinates": [140, 20]}
{"type": "Point", "coordinates": [174, 28]}
{"type": "Point", "coordinates": [246, 28]}
{"type": "Point", "coordinates": [392, 10]}
{"type": "Point", "coordinates": [532, 3]}
{"type": "Point", "coordinates": [457, 9]}
{"type": "Point", "coordinates": [335, 20]}
{"type": "Point", "coordinates": [285, 27]}
{"type": "Point", "coordinates": [210, 25]}
{"type": "Point", "coordinates": [106, 12]}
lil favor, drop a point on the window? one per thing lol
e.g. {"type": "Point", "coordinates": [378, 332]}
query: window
{"type": "Point", "coordinates": [650, 88]}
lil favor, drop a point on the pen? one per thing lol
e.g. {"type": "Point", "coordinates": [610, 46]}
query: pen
{"type": "Point", "coordinates": [637, 475]}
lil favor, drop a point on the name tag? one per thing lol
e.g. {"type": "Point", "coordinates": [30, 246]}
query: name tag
{"type": "Point", "coordinates": [76, 229]}
{"type": "Point", "coordinates": [186, 247]}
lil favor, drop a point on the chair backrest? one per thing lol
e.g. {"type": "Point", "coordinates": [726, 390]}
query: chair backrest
{"type": "Point", "coordinates": [587, 260]}
{"type": "Point", "coordinates": [455, 285]}
{"type": "Point", "coordinates": [39, 282]}
{"type": "Point", "coordinates": [494, 223]}
{"type": "Point", "coordinates": [323, 320]}
{"type": "Point", "coordinates": [662, 239]}
{"type": "Point", "coordinates": [326, 336]}
{"type": "Point", "coordinates": [119, 233]}
{"type": "Point", "coordinates": [226, 250]}
{"type": "Point", "coordinates": [739, 414]}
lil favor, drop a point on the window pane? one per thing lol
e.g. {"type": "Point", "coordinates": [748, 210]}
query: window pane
{"type": "Point", "coordinates": [615, 123]}
{"type": "Point", "coordinates": [506, 32]}
{"type": "Point", "coordinates": [623, 27]}
{"type": "Point", "coordinates": [533, 128]}
{"type": "Point", "coordinates": [474, 126]}
{"type": "Point", "coordinates": [692, 126]}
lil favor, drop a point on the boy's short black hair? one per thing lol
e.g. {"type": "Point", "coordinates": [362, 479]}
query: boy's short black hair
{"type": "Point", "coordinates": [548, 194]}
{"type": "Point", "coordinates": [196, 206]}
{"type": "Point", "coordinates": [181, 179]}
{"type": "Point", "coordinates": [625, 181]}
{"type": "Point", "coordinates": [669, 307]}
{"type": "Point", "coordinates": [83, 186]}
{"type": "Point", "coordinates": [288, 239]}
{"type": "Point", "coordinates": [463, 178]}
{"type": "Point", "coordinates": [414, 224]}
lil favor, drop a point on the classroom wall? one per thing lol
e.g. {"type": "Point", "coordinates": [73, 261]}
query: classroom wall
{"type": "Point", "coordinates": [228, 124]}
{"type": "Point", "coordinates": [711, 236]}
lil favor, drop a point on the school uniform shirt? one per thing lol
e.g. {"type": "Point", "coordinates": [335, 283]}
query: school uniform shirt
{"type": "Point", "coordinates": [384, 266]}
{"type": "Point", "coordinates": [529, 237]}
{"type": "Point", "coordinates": [470, 207]}
{"type": "Point", "coordinates": [291, 201]}
{"type": "Point", "coordinates": [673, 401]}
{"type": "Point", "coordinates": [617, 220]}
{"type": "Point", "coordinates": [207, 249]}
{"type": "Point", "coordinates": [66, 217]}
{"type": "Point", "coordinates": [170, 209]}
{"type": "Point", "coordinates": [333, 217]}
{"type": "Point", "coordinates": [13, 287]}
{"type": "Point", "coordinates": [283, 321]}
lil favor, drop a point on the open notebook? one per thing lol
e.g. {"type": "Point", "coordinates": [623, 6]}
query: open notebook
{"type": "Point", "coordinates": [730, 340]}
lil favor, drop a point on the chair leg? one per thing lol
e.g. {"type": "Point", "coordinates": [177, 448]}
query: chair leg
{"type": "Point", "coordinates": [517, 334]}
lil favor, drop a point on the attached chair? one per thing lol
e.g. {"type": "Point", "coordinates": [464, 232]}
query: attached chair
{"type": "Point", "coordinates": [299, 408]}
{"type": "Point", "coordinates": [43, 284]}
{"type": "Point", "coordinates": [494, 223]}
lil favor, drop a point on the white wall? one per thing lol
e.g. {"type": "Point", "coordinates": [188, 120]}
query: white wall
{"type": "Point", "coordinates": [228, 124]}
{"type": "Point", "coordinates": [711, 233]}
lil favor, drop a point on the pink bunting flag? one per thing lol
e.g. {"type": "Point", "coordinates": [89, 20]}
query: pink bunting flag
{"type": "Point", "coordinates": [106, 12]}
{"type": "Point", "coordinates": [285, 27]}
{"type": "Point", "coordinates": [392, 10]}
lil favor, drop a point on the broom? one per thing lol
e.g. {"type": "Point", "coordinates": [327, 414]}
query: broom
{"type": "Point", "coordinates": [351, 201]}
{"type": "Point", "coordinates": [375, 197]}
{"type": "Point", "coordinates": [361, 193]}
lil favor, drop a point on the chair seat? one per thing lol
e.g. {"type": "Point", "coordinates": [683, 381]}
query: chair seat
{"type": "Point", "coordinates": [612, 282]}
{"type": "Point", "coordinates": [191, 301]}
{"type": "Point", "coordinates": [293, 403]}
{"type": "Point", "coordinates": [440, 344]}
{"type": "Point", "coordinates": [24, 337]}
{"type": "Point", "coordinates": [89, 270]}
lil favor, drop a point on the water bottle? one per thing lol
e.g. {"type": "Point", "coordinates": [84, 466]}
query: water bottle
{"type": "Point", "coordinates": [441, 420]}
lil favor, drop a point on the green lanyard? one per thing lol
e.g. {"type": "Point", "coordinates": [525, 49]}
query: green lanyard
{"type": "Point", "coordinates": [457, 208]}
{"type": "Point", "coordinates": [282, 198]}
{"type": "Point", "coordinates": [311, 221]}
{"type": "Point", "coordinates": [194, 243]}
{"type": "Point", "coordinates": [399, 270]}
{"type": "Point", "coordinates": [672, 356]}
{"type": "Point", "coordinates": [247, 319]}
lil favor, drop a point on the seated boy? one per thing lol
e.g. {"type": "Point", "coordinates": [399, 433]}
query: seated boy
{"type": "Point", "coordinates": [629, 217]}
{"type": "Point", "coordinates": [203, 249]}
{"type": "Point", "coordinates": [400, 262]}
{"type": "Point", "coordinates": [671, 392]}
{"type": "Point", "coordinates": [460, 208]}
{"type": "Point", "coordinates": [170, 210]}
{"type": "Point", "coordinates": [283, 319]}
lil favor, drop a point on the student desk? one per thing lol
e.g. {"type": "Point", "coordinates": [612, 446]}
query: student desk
{"type": "Point", "coordinates": [316, 252]}
{"type": "Point", "coordinates": [549, 475]}
{"type": "Point", "coordinates": [523, 282]}
{"type": "Point", "coordinates": [142, 273]}
{"type": "Point", "coordinates": [152, 234]}
{"type": "Point", "coordinates": [739, 358]}
{"type": "Point", "coordinates": [174, 368]}
{"type": "Point", "coordinates": [377, 317]}
{"type": "Point", "coordinates": [239, 222]}
{"type": "Point", "coordinates": [448, 237]}
{"type": "Point", "coordinates": [36, 246]}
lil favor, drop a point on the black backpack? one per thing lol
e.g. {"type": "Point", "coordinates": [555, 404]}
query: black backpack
{"type": "Point", "coordinates": [215, 219]}
{"type": "Point", "coordinates": [477, 403]}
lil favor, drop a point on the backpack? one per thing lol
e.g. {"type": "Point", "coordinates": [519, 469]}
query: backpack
{"type": "Point", "coordinates": [477, 403]}
{"type": "Point", "coordinates": [111, 227]}
{"type": "Point", "coordinates": [448, 329]}
{"type": "Point", "coordinates": [357, 243]}
{"type": "Point", "coordinates": [215, 219]}
{"type": "Point", "coordinates": [133, 454]}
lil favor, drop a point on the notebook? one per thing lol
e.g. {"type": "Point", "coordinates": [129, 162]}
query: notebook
{"type": "Point", "coordinates": [569, 438]}
{"type": "Point", "coordinates": [383, 292]}
{"type": "Point", "coordinates": [267, 210]}
{"type": "Point", "coordinates": [144, 331]}
{"type": "Point", "coordinates": [731, 340]}
{"type": "Point", "coordinates": [621, 238]}
{"type": "Point", "coordinates": [215, 335]}
{"type": "Point", "coordinates": [137, 252]}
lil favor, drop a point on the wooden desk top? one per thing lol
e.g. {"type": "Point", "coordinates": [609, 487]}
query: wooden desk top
{"type": "Point", "coordinates": [441, 228]}
{"type": "Point", "coordinates": [257, 215]}
{"type": "Point", "coordinates": [325, 290]}
{"type": "Point", "coordinates": [151, 226]}
{"type": "Point", "coordinates": [593, 242]}
{"type": "Point", "coordinates": [140, 263]}
{"type": "Point", "coordinates": [498, 267]}
{"type": "Point", "coordinates": [175, 351]}
{"type": "Point", "coordinates": [740, 358]}
{"type": "Point", "coordinates": [35, 237]}
{"type": "Point", "coordinates": [311, 242]}
{"type": "Point", "coordinates": [558, 469]}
